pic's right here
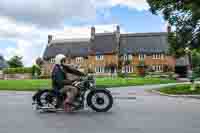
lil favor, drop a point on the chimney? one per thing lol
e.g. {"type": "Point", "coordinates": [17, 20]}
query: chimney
{"type": "Point", "coordinates": [169, 29]}
{"type": "Point", "coordinates": [49, 38]}
{"type": "Point", "coordinates": [118, 33]}
{"type": "Point", "coordinates": [93, 33]}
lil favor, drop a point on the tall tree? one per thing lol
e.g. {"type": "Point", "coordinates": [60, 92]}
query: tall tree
{"type": "Point", "coordinates": [184, 15]}
{"type": "Point", "coordinates": [15, 61]}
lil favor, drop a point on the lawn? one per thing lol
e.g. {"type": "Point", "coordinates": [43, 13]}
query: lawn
{"type": "Point", "coordinates": [180, 90]}
{"type": "Point", "coordinates": [31, 85]}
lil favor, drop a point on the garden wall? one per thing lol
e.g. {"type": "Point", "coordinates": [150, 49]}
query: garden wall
{"type": "Point", "coordinates": [1, 74]}
{"type": "Point", "coordinates": [17, 76]}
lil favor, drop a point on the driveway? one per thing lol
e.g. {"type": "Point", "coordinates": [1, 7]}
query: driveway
{"type": "Point", "coordinates": [148, 113]}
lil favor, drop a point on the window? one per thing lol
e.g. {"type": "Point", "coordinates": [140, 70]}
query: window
{"type": "Point", "coordinates": [99, 57]}
{"type": "Point", "coordinates": [79, 59]}
{"type": "Point", "coordinates": [99, 69]}
{"type": "Point", "coordinates": [158, 56]}
{"type": "Point", "coordinates": [127, 69]}
{"type": "Point", "coordinates": [157, 68]}
{"type": "Point", "coordinates": [142, 56]}
{"type": "Point", "coordinates": [52, 60]}
{"type": "Point", "coordinates": [128, 57]}
{"type": "Point", "coordinates": [162, 56]}
{"type": "Point", "coordinates": [125, 57]}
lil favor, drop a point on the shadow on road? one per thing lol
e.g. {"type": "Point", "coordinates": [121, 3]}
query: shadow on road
{"type": "Point", "coordinates": [77, 113]}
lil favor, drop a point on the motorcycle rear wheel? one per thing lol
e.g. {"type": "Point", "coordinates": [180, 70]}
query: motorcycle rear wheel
{"type": "Point", "coordinates": [46, 98]}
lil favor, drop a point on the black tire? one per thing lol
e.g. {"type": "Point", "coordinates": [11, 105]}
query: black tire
{"type": "Point", "coordinates": [38, 98]}
{"type": "Point", "coordinates": [93, 107]}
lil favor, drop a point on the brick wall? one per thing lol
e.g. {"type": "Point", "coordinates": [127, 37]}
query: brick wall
{"type": "Point", "coordinates": [92, 63]}
{"type": "Point", "coordinates": [149, 61]}
{"type": "Point", "coordinates": [83, 65]}
{"type": "Point", "coordinates": [107, 59]}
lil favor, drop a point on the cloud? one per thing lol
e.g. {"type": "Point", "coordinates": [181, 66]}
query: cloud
{"type": "Point", "coordinates": [28, 22]}
{"type": "Point", "coordinates": [83, 31]}
{"type": "Point", "coordinates": [28, 50]}
{"type": "Point", "coordinates": [52, 13]}
{"type": "Point", "coordinates": [132, 4]}
{"type": "Point", "coordinates": [46, 12]}
{"type": "Point", "coordinates": [28, 39]}
{"type": "Point", "coordinates": [31, 41]}
{"type": "Point", "coordinates": [135, 4]}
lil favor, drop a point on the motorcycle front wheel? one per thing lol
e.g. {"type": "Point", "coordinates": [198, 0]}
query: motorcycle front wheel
{"type": "Point", "coordinates": [100, 100]}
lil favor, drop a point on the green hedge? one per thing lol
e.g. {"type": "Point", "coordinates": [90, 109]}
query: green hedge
{"type": "Point", "coordinates": [129, 75]}
{"type": "Point", "coordinates": [18, 70]}
{"type": "Point", "coordinates": [44, 77]}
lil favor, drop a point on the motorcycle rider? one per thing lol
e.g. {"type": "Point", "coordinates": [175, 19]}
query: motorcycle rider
{"type": "Point", "coordinates": [61, 83]}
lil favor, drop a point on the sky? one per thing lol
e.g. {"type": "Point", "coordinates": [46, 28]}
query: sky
{"type": "Point", "coordinates": [25, 24]}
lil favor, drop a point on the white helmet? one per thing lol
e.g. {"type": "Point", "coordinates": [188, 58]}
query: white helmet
{"type": "Point", "coordinates": [59, 58]}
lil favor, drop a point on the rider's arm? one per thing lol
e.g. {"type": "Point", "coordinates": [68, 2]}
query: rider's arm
{"type": "Point", "coordinates": [73, 71]}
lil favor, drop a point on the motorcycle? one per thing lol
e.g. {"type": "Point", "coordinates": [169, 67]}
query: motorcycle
{"type": "Point", "coordinates": [98, 99]}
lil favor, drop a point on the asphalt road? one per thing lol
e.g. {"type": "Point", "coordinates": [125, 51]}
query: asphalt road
{"type": "Point", "coordinates": [148, 113]}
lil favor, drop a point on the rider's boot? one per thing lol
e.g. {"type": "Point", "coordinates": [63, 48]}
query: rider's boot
{"type": "Point", "coordinates": [67, 106]}
{"type": "Point", "coordinates": [58, 103]}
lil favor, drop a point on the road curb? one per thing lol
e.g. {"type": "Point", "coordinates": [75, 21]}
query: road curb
{"type": "Point", "coordinates": [180, 96]}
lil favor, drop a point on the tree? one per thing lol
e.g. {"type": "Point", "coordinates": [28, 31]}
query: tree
{"type": "Point", "coordinates": [15, 62]}
{"type": "Point", "coordinates": [184, 15]}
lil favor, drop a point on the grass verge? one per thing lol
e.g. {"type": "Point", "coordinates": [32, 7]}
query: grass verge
{"type": "Point", "coordinates": [180, 90]}
{"type": "Point", "coordinates": [32, 85]}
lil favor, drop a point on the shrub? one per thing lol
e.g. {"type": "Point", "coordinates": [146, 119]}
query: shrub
{"type": "Point", "coordinates": [44, 77]}
{"type": "Point", "coordinates": [121, 75]}
{"type": "Point", "coordinates": [196, 72]}
{"type": "Point", "coordinates": [36, 70]}
{"type": "Point", "coordinates": [167, 68]}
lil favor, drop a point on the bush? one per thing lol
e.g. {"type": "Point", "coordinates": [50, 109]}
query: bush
{"type": "Point", "coordinates": [196, 72]}
{"type": "Point", "coordinates": [167, 68]}
{"type": "Point", "coordinates": [44, 77]}
{"type": "Point", "coordinates": [126, 75]}
{"type": "Point", "coordinates": [36, 70]}
{"type": "Point", "coordinates": [121, 75]}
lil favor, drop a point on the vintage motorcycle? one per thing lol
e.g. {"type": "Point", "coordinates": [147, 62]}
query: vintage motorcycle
{"type": "Point", "coordinates": [98, 99]}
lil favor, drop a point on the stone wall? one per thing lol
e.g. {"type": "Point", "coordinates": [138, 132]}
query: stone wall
{"type": "Point", "coordinates": [1, 74]}
{"type": "Point", "coordinates": [17, 76]}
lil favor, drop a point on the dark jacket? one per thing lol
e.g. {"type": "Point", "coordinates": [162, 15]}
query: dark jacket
{"type": "Point", "coordinates": [59, 77]}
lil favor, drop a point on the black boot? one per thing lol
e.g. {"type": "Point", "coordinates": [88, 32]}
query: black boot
{"type": "Point", "coordinates": [59, 102]}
